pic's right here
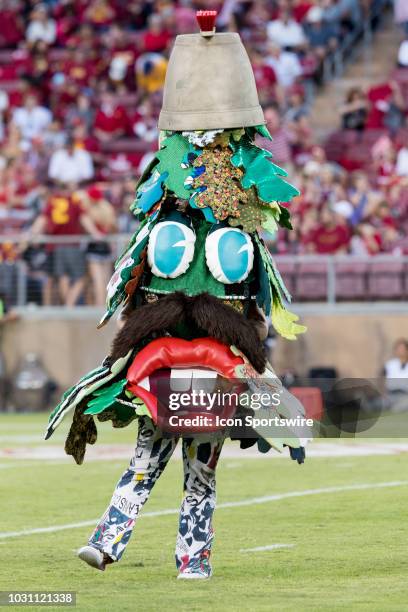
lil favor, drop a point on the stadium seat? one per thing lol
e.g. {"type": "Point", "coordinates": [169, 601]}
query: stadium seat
{"type": "Point", "coordinates": [7, 56]}
{"type": "Point", "coordinates": [370, 136]}
{"type": "Point", "coordinates": [385, 280]}
{"type": "Point", "coordinates": [58, 54]}
{"type": "Point", "coordinates": [129, 100]}
{"type": "Point", "coordinates": [311, 281]}
{"type": "Point", "coordinates": [288, 272]}
{"type": "Point", "coordinates": [402, 135]}
{"type": "Point", "coordinates": [10, 85]}
{"type": "Point", "coordinates": [400, 75]}
{"type": "Point", "coordinates": [351, 280]}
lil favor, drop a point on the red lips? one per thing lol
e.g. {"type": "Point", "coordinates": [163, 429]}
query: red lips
{"type": "Point", "coordinates": [176, 353]}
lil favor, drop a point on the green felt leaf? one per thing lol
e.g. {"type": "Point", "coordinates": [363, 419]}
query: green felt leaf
{"type": "Point", "coordinates": [149, 194]}
{"type": "Point", "coordinates": [285, 322]}
{"type": "Point", "coordinates": [131, 242]}
{"type": "Point", "coordinates": [262, 130]}
{"type": "Point", "coordinates": [272, 271]}
{"type": "Point", "coordinates": [264, 295]}
{"type": "Point", "coordinates": [142, 410]}
{"type": "Point", "coordinates": [81, 383]}
{"type": "Point", "coordinates": [260, 172]}
{"type": "Point", "coordinates": [146, 172]}
{"type": "Point", "coordinates": [133, 398]}
{"type": "Point", "coordinates": [86, 386]}
{"type": "Point", "coordinates": [123, 413]}
{"type": "Point", "coordinates": [124, 265]}
{"type": "Point", "coordinates": [264, 446]}
{"type": "Point", "coordinates": [106, 396]}
{"type": "Point", "coordinates": [170, 156]}
{"type": "Point", "coordinates": [120, 414]}
{"type": "Point", "coordinates": [269, 224]}
{"type": "Point", "coordinates": [247, 153]}
{"type": "Point", "coordinates": [284, 218]}
{"type": "Point", "coordinates": [145, 176]}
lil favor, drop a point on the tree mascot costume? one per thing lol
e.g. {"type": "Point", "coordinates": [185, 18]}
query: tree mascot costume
{"type": "Point", "coordinates": [196, 282]}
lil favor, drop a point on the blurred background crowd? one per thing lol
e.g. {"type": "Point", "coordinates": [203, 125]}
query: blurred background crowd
{"type": "Point", "coordinates": [80, 92]}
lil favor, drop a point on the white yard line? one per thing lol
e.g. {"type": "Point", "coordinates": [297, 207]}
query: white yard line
{"type": "Point", "coordinates": [237, 504]}
{"type": "Point", "coordinates": [267, 547]}
{"type": "Point", "coordinates": [22, 464]}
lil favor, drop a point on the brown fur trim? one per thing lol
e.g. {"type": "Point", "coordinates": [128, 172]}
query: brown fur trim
{"type": "Point", "coordinates": [145, 320]}
{"type": "Point", "coordinates": [256, 315]}
{"type": "Point", "coordinates": [205, 312]}
{"type": "Point", "coordinates": [228, 326]}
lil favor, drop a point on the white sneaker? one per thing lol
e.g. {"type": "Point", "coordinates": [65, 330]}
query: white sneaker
{"type": "Point", "coordinates": [92, 556]}
{"type": "Point", "coordinates": [196, 574]}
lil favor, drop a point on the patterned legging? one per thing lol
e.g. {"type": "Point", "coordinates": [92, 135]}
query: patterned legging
{"type": "Point", "coordinates": [152, 453]}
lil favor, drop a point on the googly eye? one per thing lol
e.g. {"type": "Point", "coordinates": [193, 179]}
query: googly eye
{"type": "Point", "coordinates": [171, 249]}
{"type": "Point", "coordinates": [229, 254]}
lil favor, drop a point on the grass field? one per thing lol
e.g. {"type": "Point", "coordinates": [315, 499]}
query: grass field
{"type": "Point", "coordinates": [349, 547]}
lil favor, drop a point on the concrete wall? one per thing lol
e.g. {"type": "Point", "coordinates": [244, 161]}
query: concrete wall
{"type": "Point", "coordinates": [356, 343]}
{"type": "Point", "coordinates": [354, 340]}
{"type": "Point", "coordinates": [68, 348]}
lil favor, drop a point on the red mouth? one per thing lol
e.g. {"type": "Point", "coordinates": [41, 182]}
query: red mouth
{"type": "Point", "coordinates": [156, 361]}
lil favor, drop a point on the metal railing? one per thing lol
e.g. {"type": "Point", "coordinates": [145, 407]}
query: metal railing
{"type": "Point", "coordinates": [16, 271]}
{"type": "Point", "coordinates": [330, 278]}
{"type": "Point", "coordinates": [357, 42]}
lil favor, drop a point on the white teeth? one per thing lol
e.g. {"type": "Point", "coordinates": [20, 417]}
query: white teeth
{"type": "Point", "coordinates": [192, 378]}
{"type": "Point", "coordinates": [180, 380]}
{"type": "Point", "coordinates": [145, 383]}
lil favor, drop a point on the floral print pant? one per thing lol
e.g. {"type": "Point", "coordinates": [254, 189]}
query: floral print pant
{"type": "Point", "coordinates": [153, 451]}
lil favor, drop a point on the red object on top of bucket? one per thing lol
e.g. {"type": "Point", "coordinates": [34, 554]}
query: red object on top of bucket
{"type": "Point", "coordinates": [206, 21]}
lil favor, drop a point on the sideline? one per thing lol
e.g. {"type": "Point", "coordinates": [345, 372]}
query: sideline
{"type": "Point", "coordinates": [116, 452]}
{"type": "Point", "coordinates": [237, 504]}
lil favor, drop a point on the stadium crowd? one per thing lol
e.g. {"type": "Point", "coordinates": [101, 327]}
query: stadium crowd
{"type": "Point", "coordinates": [80, 92]}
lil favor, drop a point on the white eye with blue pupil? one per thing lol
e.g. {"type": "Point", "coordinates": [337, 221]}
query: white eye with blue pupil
{"type": "Point", "coordinates": [230, 255]}
{"type": "Point", "coordinates": [171, 249]}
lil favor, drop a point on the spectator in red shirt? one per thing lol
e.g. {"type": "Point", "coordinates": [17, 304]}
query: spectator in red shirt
{"type": "Point", "coordinates": [64, 216]}
{"type": "Point", "coordinates": [88, 142]}
{"type": "Point", "coordinates": [331, 236]}
{"type": "Point", "coordinates": [66, 18]}
{"type": "Point", "coordinates": [300, 8]}
{"type": "Point", "coordinates": [111, 120]}
{"type": "Point", "coordinates": [156, 38]}
{"type": "Point", "coordinates": [122, 54]}
{"type": "Point", "coordinates": [11, 25]}
{"type": "Point", "coordinates": [100, 14]}
{"type": "Point", "coordinates": [144, 122]}
{"type": "Point", "coordinates": [387, 106]}
{"type": "Point", "coordinates": [84, 38]}
{"type": "Point", "coordinates": [80, 67]}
